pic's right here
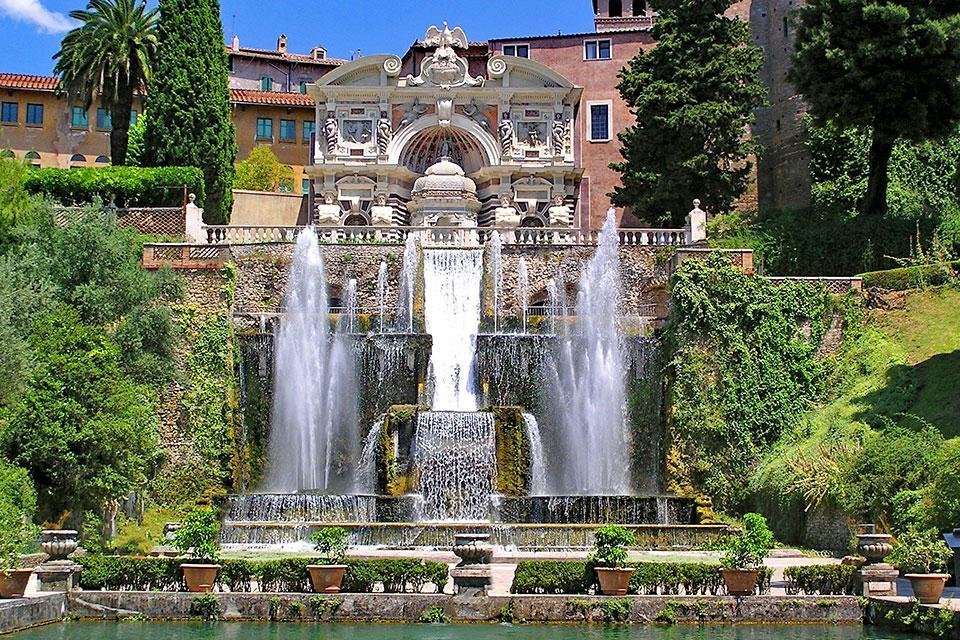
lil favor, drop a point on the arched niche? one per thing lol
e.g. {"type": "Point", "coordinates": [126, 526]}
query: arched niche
{"type": "Point", "coordinates": [481, 141]}
{"type": "Point", "coordinates": [428, 146]}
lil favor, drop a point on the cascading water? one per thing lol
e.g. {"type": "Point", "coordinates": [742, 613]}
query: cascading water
{"type": "Point", "coordinates": [315, 397]}
{"type": "Point", "coordinates": [495, 246]}
{"type": "Point", "coordinates": [452, 280]}
{"type": "Point", "coordinates": [366, 471]}
{"type": "Point", "coordinates": [408, 284]}
{"type": "Point", "coordinates": [455, 454]}
{"type": "Point", "coordinates": [523, 292]}
{"type": "Point", "coordinates": [348, 319]}
{"type": "Point", "coordinates": [382, 295]}
{"type": "Point", "coordinates": [587, 382]}
{"type": "Point", "coordinates": [538, 463]}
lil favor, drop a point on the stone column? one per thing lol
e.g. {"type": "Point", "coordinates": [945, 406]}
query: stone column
{"type": "Point", "coordinates": [57, 574]}
{"type": "Point", "coordinates": [472, 577]}
{"type": "Point", "coordinates": [696, 224]}
{"type": "Point", "coordinates": [877, 578]}
{"type": "Point", "coordinates": [193, 229]}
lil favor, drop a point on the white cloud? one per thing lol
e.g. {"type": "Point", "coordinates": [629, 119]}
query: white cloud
{"type": "Point", "coordinates": [35, 13]}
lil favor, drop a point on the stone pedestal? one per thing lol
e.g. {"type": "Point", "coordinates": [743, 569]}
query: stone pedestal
{"type": "Point", "coordinates": [58, 576]}
{"type": "Point", "coordinates": [472, 577]}
{"type": "Point", "coordinates": [877, 580]}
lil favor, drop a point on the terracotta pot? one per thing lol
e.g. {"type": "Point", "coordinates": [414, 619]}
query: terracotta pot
{"type": "Point", "coordinates": [927, 587]}
{"type": "Point", "coordinates": [740, 582]}
{"type": "Point", "coordinates": [14, 582]}
{"type": "Point", "coordinates": [326, 578]}
{"type": "Point", "coordinates": [614, 582]}
{"type": "Point", "coordinates": [200, 578]}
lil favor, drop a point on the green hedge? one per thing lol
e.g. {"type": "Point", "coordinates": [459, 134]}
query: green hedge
{"type": "Point", "coordinates": [649, 578]}
{"type": "Point", "coordinates": [131, 186]}
{"type": "Point", "coordinates": [911, 277]}
{"type": "Point", "coordinates": [289, 575]}
{"type": "Point", "coordinates": [824, 580]}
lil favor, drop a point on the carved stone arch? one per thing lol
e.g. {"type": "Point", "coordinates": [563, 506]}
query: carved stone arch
{"type": "Point", "coordinates": [364, 67]}
{"type": "Point", "coordinates": [499, 65]}
{"type": "Point", "coordinates": [486, 142]}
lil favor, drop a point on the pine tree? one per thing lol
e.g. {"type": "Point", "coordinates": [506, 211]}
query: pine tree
{"type": "Point", "coordinates": [893, 67]}
{"type": "Point", "coordinates": [693, 96]}
{"type": "Point", "coordinates": [189, 101]}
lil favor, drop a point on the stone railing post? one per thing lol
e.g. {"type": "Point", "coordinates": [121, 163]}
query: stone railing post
{"type": "Point", "coordinates": [193, 229]}
{"type": "Point", "coordinates": [696, 224]}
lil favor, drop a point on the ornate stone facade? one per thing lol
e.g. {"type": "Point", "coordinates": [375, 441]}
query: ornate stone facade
{"type": "Point", "coordinates": [389, 139]}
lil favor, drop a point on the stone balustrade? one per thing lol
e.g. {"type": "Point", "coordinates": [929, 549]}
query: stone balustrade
{"type": "Point", "coordinates": [442, 236]}
{"type": "Point", "coordinates": [184, 256]}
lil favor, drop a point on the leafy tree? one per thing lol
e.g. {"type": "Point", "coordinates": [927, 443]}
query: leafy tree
{"type": "Point", "coordinates": [262, 171]}
{"type": "Point", "coordinates": [189, 101]}
{"type": "Point", "coordinates": [891, 66]}
{"type": "Point", "coordinates": [110, 55]}
{"type": "Point", "coordinates": [15, 202]}
{"type": "Point", "coordinates": [693, 97]}
{"type": "Point", "coordinates": [84, 430]}
{"type": "Point", "coordinates": [135, 141]}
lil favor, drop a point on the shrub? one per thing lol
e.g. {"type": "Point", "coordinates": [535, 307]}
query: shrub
{"type": "Point", "coordinates": [199, 535]}
{"type": "Point", "coordinates": [551, 577]}
{"type": "Point", "coordinates": [434, 615]}
{"type": "Point", "coordinates": [126, 186]}
{"type": "Point", "coordinates": [921, 552]}
{"type": "Point", "coordinates": [611, 546]}
{"type": "Point", "coordinates": [119, 573]}
{"type": "Point", "coordinates": [824, 580]}
{"type": "Point", "coordinates": [206, 607]}
{"type": "Point", "coordinates": [917, 277]}
{"type": "Point", "coordinates": [332, 542]}
{"type": "Point", "coordinates": [747, 549]}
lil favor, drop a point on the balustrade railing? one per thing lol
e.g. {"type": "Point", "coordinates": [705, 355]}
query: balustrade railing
{"type": "Point", "coordinates": [184, 256]}
{"type": "Point", "coordinates": [441, 236]}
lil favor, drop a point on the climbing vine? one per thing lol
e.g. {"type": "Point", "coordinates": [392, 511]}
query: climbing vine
{"type": "Point", "coordinates": [743, 367]}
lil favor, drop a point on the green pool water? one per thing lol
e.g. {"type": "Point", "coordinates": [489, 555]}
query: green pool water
{"type": "Point", "coordinates": [246, 631]}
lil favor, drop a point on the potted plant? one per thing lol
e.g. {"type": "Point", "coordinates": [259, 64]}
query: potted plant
{"type": "Point", "coordinates": [609, 559]}
{"type": "Point", "coordinates": [197, 537]}
{"type": "Point", "coordinates": [923, 558]}
{"type": "Point", "coordinates": [332, 542]}
{"type": "Point", "coordinates": [744, 553]}
{"type": "Point", "coordinates": [15, 533]}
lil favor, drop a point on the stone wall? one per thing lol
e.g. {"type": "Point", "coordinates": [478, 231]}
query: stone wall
{"type": "Point", "coordinates": [16, 615]}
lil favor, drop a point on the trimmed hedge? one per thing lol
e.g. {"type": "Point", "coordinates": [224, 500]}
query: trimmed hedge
{"type": "Point", "coordinates": [130, 186]}
{"type": "Point", "coordinates": [928, 275]}
{"type": "Point", "coordinates": [289, 575]}
{"type": "Point", "coordinates": [823, 580]}
{"type": "Point", "coordinates": [649, 578]}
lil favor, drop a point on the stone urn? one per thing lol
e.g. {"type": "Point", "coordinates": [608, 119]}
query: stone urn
{"type": "Point", "coordinates": [59, 544]}
{"type": "Point", "coordinates": [473, 548]}
{"type": "Point", "coordinates": [874, 546]}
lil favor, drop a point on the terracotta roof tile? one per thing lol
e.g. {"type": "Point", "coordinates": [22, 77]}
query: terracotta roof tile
{"type": "Point", "coordinates": [299, 58]}
{"type": "Point", "coordinates": [24, 81]}
{"type": "Point", "coordinates": [278, 98]}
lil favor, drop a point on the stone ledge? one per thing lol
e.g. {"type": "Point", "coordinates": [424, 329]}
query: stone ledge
{"type": "Point", "coordinates": [530, 608]}
{"type": "Point", "coordinates": [23, 613]}
{"type": "Point", "coordinates": [906, 615]}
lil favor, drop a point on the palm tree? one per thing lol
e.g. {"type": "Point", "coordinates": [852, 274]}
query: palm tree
{"type": "Point", "coordinates": [110, 55]}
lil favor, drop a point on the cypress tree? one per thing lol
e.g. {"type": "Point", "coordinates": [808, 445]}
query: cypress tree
{"type": "Point", "coordinates": [189, 101]}
{"type": "Point", "coordinates": [693, 96]}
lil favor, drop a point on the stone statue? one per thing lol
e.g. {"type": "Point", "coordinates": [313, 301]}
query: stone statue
{"type": "Point", "coordinates": [384, 133]}
{"type": "Point", "coordinates": [559, 135]}
{"type": "Point", "coordinates": [475, 113]}
{"type": "Point", "coordinates": [560, 212]}
{"type": "Point", "coordinates": [412, 113]}
{"type": "Point", "coordinates": [506, 214]}
{"type": "Point", "coordinates": [506, 134]}
{"type": "Point", "coordinates": [331, 132]}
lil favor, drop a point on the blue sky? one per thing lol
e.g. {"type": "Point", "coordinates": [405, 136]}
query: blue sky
{"type": "Point", "coordinates": [31, 30]}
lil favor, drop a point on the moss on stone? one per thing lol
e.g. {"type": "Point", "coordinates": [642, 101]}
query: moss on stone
{"type": "Point", "coordinates": [394, 477]}
{"type": "Point", "coordinates": [513, 451]}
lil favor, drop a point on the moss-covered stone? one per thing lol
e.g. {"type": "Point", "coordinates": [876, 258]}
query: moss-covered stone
{"type": "Point", "coordinates": [396, 474]}
{"type": "Point", "coordinates": [513, 451]}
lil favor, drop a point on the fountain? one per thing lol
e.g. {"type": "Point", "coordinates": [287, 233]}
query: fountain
{"type": "Point", "coordinates": [412, 438]}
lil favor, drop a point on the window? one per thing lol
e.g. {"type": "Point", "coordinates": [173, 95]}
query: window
{"type": "Point", "coordinates": [78, 158]}
{"type": "Point", "coordinates": [303, 86]}
{"type": "Point", "coordinates": [518, 50]}
{"type": "Point", "coordinates": [265, 129]}
{"type": "Point", "coordinates": [33, 158]}
{"type": "Point", "coordinates": [78, 118]}
{"type": "Point", "coordinates": [600, 124]}
{"type": "Point", "coordinates": [309, 126]}
{"type": "Point", "coordinates": [35, 114]}
{"type": "Point", "coordinates": [288, 130]}
{"type": "Point", "coordinates": [616, 8]}
{"type": "Point", "coordinates": [596, 50]}
{"type": "Point", "coordinates": [9, 112]}
{"type": "Point", "coordinates": [305, 186]}
{"type": "Point", "coordinates": [6, 153]}
{"type": "Point", "coordinates": [103, 160]}
{"type": "Point", "coordinates": [104, 121]}
{"type": "Point", "coordinates": [639, 7]}
{"type": "Point", "coordinates": [133, 118]}
{"type": "Point", "coordinates": [266, 83]}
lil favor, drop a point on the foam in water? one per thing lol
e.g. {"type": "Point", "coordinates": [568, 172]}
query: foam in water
{"type": "Point", "coordinates": [348, 319]}
{"type": "Point", "coordinates": [408, 284]}
{"type": "Point", "coordinates": [587, 382]}
{"type": "Point", "coordinates": [495, 246]}
{"type": "Point", "coordinates": [455, 455]}
{"type": "Point", "coordinates": [452, 282]}
{"type": "Point", "coordinates": [315, 394]}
